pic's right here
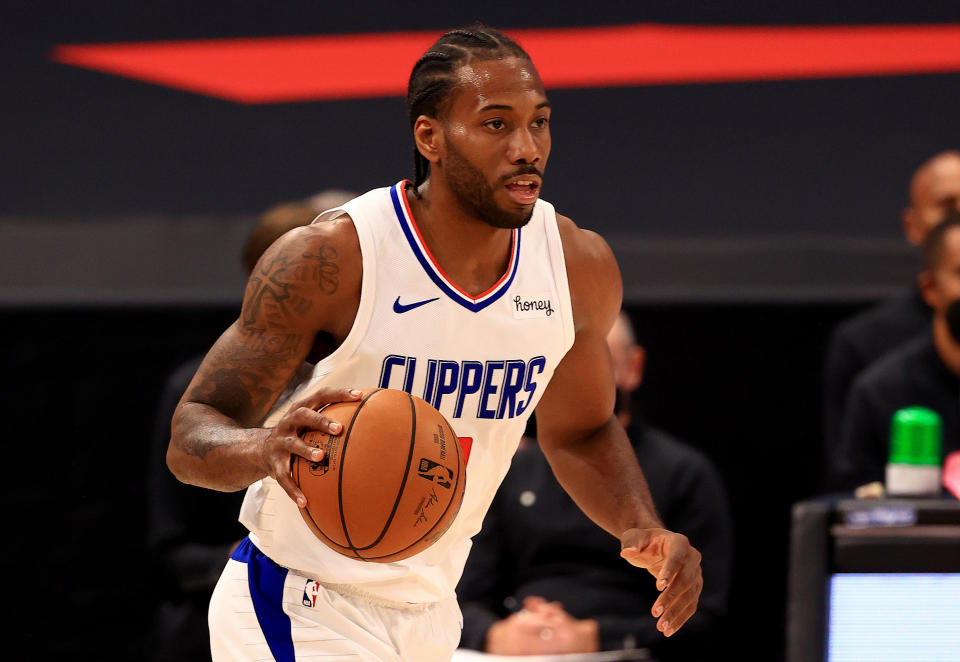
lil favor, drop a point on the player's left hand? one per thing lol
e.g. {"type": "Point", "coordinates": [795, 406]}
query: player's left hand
{"type": "Point", "coordinates": [675, 564]}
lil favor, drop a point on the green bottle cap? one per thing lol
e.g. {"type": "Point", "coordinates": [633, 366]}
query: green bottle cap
{"type": "Point", "coordinates": [915, 434]}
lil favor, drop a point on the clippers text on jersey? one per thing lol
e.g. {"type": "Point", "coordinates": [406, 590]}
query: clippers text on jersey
{"type": "Point", "coordinates": [495, 389]}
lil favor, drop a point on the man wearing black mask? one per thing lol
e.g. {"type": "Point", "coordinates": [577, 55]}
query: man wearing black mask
{"type": "Point", "coordinates": [859, 341]}
{"type": "Point", "coordinates": [923, 372]}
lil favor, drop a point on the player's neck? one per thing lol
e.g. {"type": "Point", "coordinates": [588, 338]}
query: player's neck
{"type": "Point", "coordinates": [947, 347]}
{"type": "Point", "coordinates": [473, 253]}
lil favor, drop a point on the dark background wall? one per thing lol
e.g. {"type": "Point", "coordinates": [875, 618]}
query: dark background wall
{"type": "Point", "coordinates": [748, 191]}
{"type": "Point", "coordinates": [749, 218]}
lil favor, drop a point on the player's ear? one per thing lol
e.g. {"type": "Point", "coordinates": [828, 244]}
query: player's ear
{"type": "Point", "coordinates": [428, 138]}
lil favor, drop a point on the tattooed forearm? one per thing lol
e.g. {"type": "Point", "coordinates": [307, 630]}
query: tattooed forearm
{"type": "Point", "coordinates": [281, 287]}
{"type": "Point", "coordinates": [207, 449]}
{"type": "Point", "coordinates": [200, 447]}
{"type": "Point", "coordinates": [308, 283]}
{"type": "Point", "coordinates": [244, 395]}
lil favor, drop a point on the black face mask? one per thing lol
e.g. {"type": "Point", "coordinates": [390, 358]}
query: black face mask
{"type": "Point", "coordinates": [952, 316]}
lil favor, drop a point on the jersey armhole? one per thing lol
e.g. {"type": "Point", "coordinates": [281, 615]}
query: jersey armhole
{"type": "Point", "coordinates": [559, 265]}
{"type": "Point", "coordinates": [367, 295]}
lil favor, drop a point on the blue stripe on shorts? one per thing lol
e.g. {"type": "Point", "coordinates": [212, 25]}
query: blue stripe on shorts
{"type": "Point", "coordinates": [266, 580]}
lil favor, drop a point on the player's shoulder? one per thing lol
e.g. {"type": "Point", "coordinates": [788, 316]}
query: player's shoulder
{"type": "Point", "coordinates": [582, 244]}
{"type": "Point", "coordinates": [335, 238]}
{"type": "Point", "coordinates": [596, 287]}
{"type": "Point", "coordinates": [322, 259]}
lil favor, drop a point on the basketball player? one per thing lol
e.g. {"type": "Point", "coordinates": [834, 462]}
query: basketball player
{"type": "Point", "coordinates": [462, 287]}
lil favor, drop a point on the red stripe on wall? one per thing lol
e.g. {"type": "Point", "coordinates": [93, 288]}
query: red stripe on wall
{"type": "Point", "coordinates": [282, 69]}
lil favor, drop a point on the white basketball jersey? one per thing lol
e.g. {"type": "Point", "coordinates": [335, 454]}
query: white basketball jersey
{"type": "Point", "coordinates": [484, 361]}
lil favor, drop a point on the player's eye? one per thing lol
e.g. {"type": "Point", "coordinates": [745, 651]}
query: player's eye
{"type": "Point", "coordinates": [541, 122]}
{"type": "Point", "coordinates": [496, 125]}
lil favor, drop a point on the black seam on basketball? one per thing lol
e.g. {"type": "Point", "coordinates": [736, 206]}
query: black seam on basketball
{"type": "Point", "coordinates": [460, 474]}
{"type": "Point", "coordinates": [343, 464]}
{"type": "Point", "coordinates": [334, 543]}
{"type": "Point", "coordinates": [406, 474]}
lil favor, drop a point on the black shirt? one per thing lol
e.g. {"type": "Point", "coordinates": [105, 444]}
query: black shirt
{"type": "Point", "coordinates": [536, 541]}
{"type": "Point", "coordinates": [858, 342]}
{"type": "Point", "coordinates": [912, 375]}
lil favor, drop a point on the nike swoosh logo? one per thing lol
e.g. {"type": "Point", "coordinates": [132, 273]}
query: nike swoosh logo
{"type": "Point", "coordinates": [400, 308]}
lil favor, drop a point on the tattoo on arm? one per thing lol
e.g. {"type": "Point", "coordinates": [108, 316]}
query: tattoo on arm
{"type": "Point", "coordinates": [274, 290]}
{"type": "Point", "coordinates": [233, 390]}
{"type": "Point", "coordinates": [321, 267]}
{"type": "Point", "coordinates": [251, 365]}
{"type": "Point", "coordinates": [200, 447]}
{"type": "Point", "coordinates": [244, 389]}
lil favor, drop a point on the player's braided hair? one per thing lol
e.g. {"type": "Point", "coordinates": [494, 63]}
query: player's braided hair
{"type": "Point", "coordinates": [434, 76]}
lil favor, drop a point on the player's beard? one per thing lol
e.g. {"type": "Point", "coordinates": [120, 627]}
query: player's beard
{"type": "Point", "coordinates": [475, 194]}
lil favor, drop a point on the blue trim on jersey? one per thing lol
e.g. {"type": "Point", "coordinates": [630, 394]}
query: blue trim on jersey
{"type": "Point", "coordinates": [470, 304]}
{"type": "Point", "coordinates": [266, 580]}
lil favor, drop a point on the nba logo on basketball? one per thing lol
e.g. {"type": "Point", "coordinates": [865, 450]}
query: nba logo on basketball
{"type": "Point", "coordinates": [310, 591]}
{"type": "Point", "coordinates": [434, 471]}
{"type": "Point", "coordinates": [330, 447]}
{"type": "Point", "coordinates": [319, 468]}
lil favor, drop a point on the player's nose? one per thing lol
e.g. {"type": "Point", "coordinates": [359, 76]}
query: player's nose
{"type": "Point", "coordinates": [524, 147]}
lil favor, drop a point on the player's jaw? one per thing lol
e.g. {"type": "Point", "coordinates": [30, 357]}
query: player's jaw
{"type": "Point", "coordinates": [508, 203]}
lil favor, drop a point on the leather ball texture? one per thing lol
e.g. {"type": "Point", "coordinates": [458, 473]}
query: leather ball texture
{"type": "Point", "coordinates": [390, 484]}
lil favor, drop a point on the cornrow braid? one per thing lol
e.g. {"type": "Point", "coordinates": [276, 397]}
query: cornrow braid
{"type": "Point", "coordinates": [434, 76]}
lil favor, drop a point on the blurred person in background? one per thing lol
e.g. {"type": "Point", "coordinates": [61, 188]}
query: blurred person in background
{"type": "Point", "coordinates": [192, 530]}
{"type": "Point", "coordinates": [862, 339]}
{"type": "Point", "coordinates": [542, 578]}
{"type": "Point", "coordinates": [924, 371]}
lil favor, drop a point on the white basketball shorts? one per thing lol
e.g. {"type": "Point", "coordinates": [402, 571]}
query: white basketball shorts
{"type": "Point", "coordinates": [263, 611]}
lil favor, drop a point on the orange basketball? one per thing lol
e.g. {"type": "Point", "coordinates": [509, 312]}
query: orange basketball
{"type": "Point", "coordinates": [389, 484]}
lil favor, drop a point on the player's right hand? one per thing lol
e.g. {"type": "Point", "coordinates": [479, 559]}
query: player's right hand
{"type": "Point", "coordinates": [284, 441]}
